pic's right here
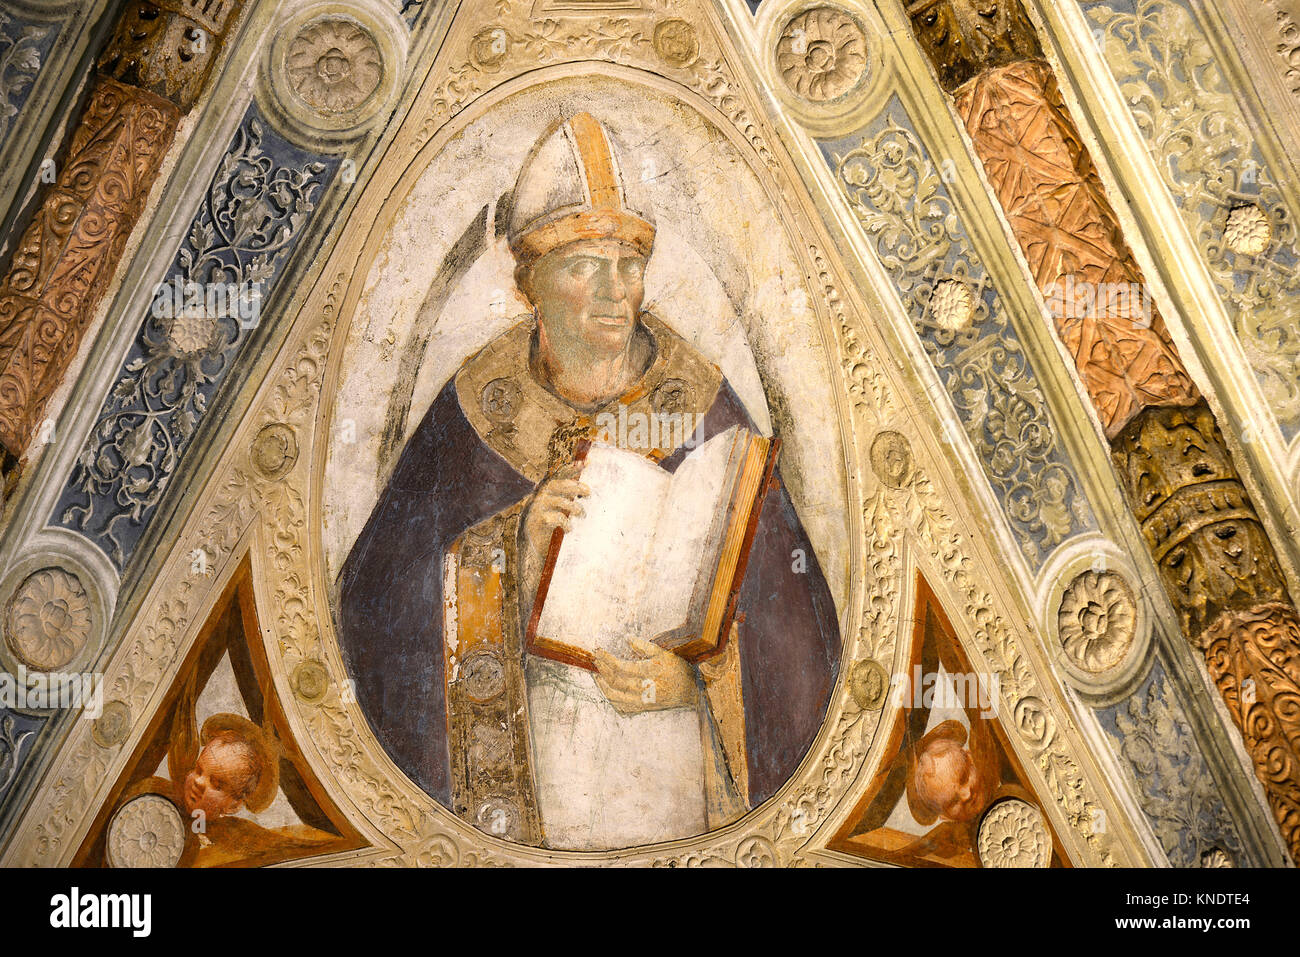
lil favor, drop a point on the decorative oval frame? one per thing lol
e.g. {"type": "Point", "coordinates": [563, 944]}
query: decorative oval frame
{"type": "Point", "coordinates": [378, 223]}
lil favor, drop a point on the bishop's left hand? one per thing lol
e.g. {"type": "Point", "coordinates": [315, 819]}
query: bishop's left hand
{"type": "Point", "coordinates": [656, 681]}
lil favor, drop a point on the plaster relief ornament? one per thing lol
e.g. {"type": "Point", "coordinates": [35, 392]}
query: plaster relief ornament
{"type": "Point", "coordinates": [891, 459]}
{"type": "Point", "coordinates": [112, 727]}
{"type": "Point", "coordinates": [822, 54]}
{"type": "Point", "coordinates": [489, 48]}
{"type": "Point", "coordinates": [1097, 620]}
{"type": "Point", "coordinates": [953, 305]}
{"type": "Point", "coordinates": [1247, 231]}
{"type": "Point", "coordinates": [676, 43]}
{"type": "Point", "coordinates": [311, 681]}
{"type": "Point", "coordinates": [48, 619]}
{"type": "Point", "coordinates": [275, 450]}
{"type": "Point", "coordinates": [1216, 857]}
{"type": "Point", "coordinates": [868, 684]}
{"type": "Point", "coordinates": [1012, 834]}
{"type": "Point", "coordinates": [334, 65]}
{"type": "Point", "coordinates": [146, 832]}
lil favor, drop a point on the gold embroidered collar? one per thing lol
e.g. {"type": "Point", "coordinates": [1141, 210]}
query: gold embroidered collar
{"type": "Point", "coordinates": [535, 430]}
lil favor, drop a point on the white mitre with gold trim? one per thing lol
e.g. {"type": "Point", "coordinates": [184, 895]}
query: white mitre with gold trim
{"type": "Point", "coordinates": [573, 186]}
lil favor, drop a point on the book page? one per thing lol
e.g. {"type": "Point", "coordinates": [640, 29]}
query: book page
{"type": "Point", "coordinates": [603, 561]}
{"type": "Point", "coordinates": [692, 517]}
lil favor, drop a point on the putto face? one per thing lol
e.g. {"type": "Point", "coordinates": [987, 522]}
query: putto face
{"type": "Point", "coordinates": [948, 781]}
{"type": "Point", "coordinates": [221, 777]}
{"type": "Point", "coordinates": [589, 293]}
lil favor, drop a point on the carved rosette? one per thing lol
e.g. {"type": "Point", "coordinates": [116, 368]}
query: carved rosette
{"type": "Point", "coordinates": [1012, 834]}
{"type": "Point", "coordinates": [147, 831]}
{"type": "Point", "coordinates": [822, 54]}
{"type": "Point", "coordinates": [1097, 621]}
{"type": "Point", "coordinates": [48, 619]}
{"type": "Point", "coordinates": [334, 64]}
{"type": "Point", "coordinates": [1247, 230]}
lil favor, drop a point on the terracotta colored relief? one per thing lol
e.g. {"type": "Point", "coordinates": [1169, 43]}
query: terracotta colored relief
{"type": "Point", "coordinates": [151, 71]}
{"type": "Point", "coordinates": [66, 257]}
{"type": "Point", "coordinates": [1048, 188]}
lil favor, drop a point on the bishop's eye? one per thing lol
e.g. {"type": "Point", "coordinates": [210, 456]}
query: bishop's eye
{"type": "Point", "coordinates": [583, 268]}
{"type": "Point", "coordinates": [631, 268]}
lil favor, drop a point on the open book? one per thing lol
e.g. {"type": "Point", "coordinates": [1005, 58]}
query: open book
{"type": "Point", "coordinates": [657, 555]}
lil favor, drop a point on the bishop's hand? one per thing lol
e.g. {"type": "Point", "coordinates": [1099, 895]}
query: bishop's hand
{"type": "Point", "coordinates": [656, 681]}
{"type": "Point", "coordinates": [554, 504]}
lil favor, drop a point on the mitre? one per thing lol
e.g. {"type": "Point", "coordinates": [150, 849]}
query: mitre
{"type": "Point", "coordinates": [575, 185]}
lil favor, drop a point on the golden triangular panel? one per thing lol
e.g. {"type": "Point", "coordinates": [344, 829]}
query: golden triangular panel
{"type": "Point", "coordinates": [949, 791]}
{"type": "Point", "coordinates": [224, 686]}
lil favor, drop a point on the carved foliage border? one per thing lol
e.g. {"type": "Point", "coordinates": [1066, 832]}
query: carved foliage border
{"type": "Point", "coordinates": [247, 504]}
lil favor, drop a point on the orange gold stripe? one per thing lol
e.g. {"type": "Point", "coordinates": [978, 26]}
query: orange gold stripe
{"type": "Point", "coordinates": [594, 149]}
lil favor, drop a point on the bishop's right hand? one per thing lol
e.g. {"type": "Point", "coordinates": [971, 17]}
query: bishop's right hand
{"type": "Point", "coordinates": [555, 504]}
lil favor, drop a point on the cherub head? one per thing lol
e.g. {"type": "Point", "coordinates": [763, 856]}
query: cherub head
{"type": "Point", "coordinates": [944, 780]}
{"type": "Point", "coordinates": [235, 768]}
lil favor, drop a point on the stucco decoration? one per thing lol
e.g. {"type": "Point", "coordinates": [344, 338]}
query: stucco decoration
{"type": "Point", "coordinates": [334, 65]}
{"type": "Point", "coordinates": [1097, 620]}
{"type": "Point", "coordinates": [822, 54]}
{"type": "Point", "coordinates": [47, 619]}
{"type": "Point", "coordinates": [1012, 834]}
{"type": "Point", "coordinates": [823, 374]}
{"type": "Point", "coordinates": [147, 832]}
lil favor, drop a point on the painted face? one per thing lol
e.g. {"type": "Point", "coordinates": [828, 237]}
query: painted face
{"type": "Point", "coordinates": [948, 781]}
{"type": "Point", "coordinates": [589, 293]}
{"type": "Point", "coordinates": [220, 779]}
